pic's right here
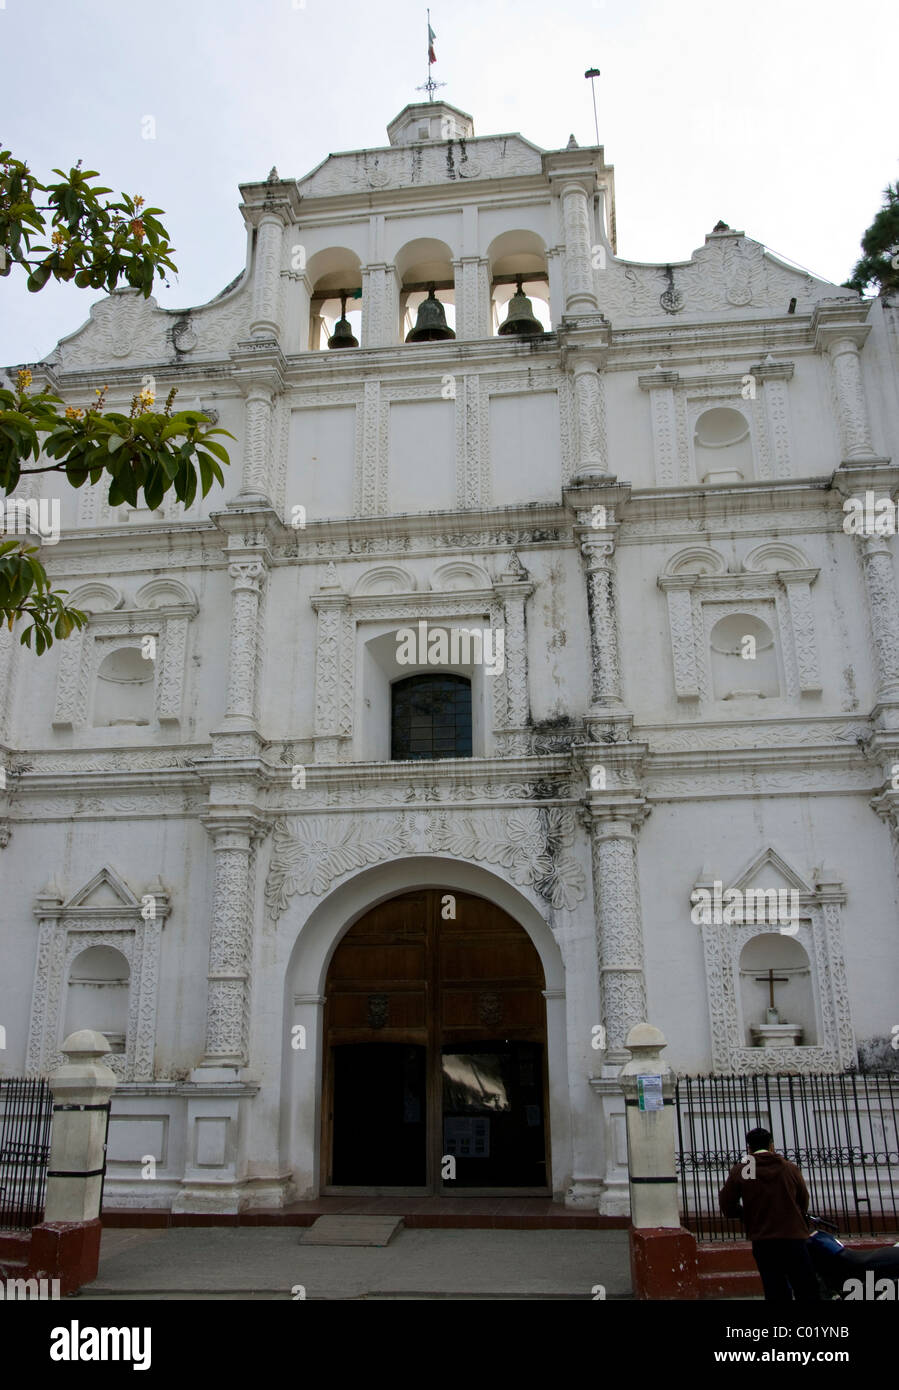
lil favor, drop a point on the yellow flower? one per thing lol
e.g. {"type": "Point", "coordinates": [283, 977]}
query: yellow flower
{"type": "Point", "coordinates": [146, 397]}
{"type": "Point", "coordinates": [24, 379]}
{"type": "Point", "coordinates": [139, 201]}
{"type": "Point", "coordinates": [73, 412]}
{"type": "Point", "coordinates": [59, 237]}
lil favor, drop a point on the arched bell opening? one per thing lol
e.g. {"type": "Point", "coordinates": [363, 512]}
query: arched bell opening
{"type": "Point", "coordinates": [519, 285]}
{"type": "Point", "coordinates": [427, 295]}
{"type": "Point", "coordinates": [335, 305]}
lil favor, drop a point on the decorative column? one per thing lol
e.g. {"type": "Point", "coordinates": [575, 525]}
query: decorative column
{"type": "Point", "coordinates": [883, 605]}
{"type": "Point", "coordinates": [840, 334]}
{"type": "Point", "coordinates": [259, 370]}
{"type": "Point", "coordinates": [380, 306]}
{"type": "Point", "coordinates": [247, 570]}
{"type": "Point", "coordinates": [269, 207]}
{"type": "Point", "coordinates": [513, 588]}
{"type": "Point", "coordinates": [230, 941]}
{"type": "Point", "coordinates": [597, 548]}
{"type": "Point", "coordinates": [266, 312]}
{"type": "Point", "coordinates": [661, 386]}
{"type": "Point", "coordinates": [591, 418]}
{"type": "Point", "coordinates": [580, 292]}
{"type": "Point", "coordinates": [555, 263]}
{"type": "Point", "coordinates": [472, 286]}
{"type": "Point", "coordinates": [619, 923]}
{"type": "Point", "coordinates": [797, 586]}
{"type": "Point", "coordinates": [329, 603]}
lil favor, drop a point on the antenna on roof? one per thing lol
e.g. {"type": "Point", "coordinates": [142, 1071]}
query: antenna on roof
{"type": "Point", "coordinates": [593, 73]}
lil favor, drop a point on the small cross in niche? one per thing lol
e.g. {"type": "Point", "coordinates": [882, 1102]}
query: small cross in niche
{"type": "Point", "coordinates": [771, 980]}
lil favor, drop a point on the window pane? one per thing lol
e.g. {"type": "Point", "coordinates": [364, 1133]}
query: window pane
{"type": "Point", "coordinates": [431, 717]}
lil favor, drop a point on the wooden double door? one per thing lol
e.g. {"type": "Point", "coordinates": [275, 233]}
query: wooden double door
{"type": "Point", "coordinates": [435, 1075]}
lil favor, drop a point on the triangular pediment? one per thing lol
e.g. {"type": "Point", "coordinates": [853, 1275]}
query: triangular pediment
{"type": "Point", "coordinates": [105, 889]}
{"type": "Point", "coordinates": [770, 870]}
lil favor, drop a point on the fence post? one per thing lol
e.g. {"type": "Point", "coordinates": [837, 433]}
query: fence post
{"type": "Point", "coordinates": [663, 1254]}
{"type": "Point", "coordinates": [67, 1243]}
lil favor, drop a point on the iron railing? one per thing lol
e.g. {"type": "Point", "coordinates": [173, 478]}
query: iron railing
{"type": "Point", "coordinates": [26, 1112]}
{"type": "Point", "coordinates": [841, 1129]}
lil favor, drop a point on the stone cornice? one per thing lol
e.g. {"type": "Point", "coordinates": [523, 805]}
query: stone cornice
{"type": "Point", "coordinates": [752, 579]}
{"type": "Point", "coordinates": [277, 196]}
{"type": "Point", "coordinates": [836, 319]}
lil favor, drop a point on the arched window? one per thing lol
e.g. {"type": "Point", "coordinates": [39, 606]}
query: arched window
{"type": "Point", "coordinates": [430, 717]}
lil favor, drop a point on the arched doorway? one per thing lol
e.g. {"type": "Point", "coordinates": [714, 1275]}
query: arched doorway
{"type": "Point", "coordinates": [434, 1066]}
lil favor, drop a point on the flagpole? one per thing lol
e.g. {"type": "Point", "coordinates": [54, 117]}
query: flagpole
{"type": "Point", "coordinates": [430, 88]}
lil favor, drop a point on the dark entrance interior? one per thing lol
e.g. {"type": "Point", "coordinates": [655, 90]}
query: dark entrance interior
{"type": "Point", "coordinates": [435, 1057]}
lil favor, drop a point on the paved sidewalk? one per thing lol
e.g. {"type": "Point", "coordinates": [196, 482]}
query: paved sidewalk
{"type": "Point", "coordinates": [269, 1262]}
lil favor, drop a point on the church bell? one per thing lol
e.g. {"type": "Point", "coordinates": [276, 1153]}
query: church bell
{"type": "Point", "coordinates": [521, 317]}
{"type": "Point", "coordinates": [431, 325]}
{"type": "Point", "coordinates": [342, 337]}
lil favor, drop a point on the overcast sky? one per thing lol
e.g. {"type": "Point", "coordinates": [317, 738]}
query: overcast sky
{"type": "Point", "coordinates": [778, 116]}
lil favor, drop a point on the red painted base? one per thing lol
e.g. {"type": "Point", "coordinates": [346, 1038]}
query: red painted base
{"type": "Point", "coordinates": [663, 1263]}
{"type": "Point", "coordinates": [65, 1250]}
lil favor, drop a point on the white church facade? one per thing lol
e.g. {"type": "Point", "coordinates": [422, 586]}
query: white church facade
{"type": "Point", "coordinates": [518, 687]}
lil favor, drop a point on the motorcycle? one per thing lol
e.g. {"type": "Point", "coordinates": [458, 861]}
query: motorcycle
{"type": "Point", "coordinates": [851, 1275]}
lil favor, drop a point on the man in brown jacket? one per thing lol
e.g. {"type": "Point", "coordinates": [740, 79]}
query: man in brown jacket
{"type": "Point", "coordinates": [769, 1193]}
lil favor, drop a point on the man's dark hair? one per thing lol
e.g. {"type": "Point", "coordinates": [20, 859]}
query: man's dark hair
{"type": "Point", "coordinates": [758, 1139]}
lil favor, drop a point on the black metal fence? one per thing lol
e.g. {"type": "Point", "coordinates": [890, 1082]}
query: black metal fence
{"type": "Point", "coordinates": [842, 1130]}
{"type": "Point", "coordinates": [26, 1113]}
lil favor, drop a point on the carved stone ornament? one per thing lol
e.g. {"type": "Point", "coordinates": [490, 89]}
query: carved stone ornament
{"type": "Point", "coordinates": [490, 1010]}
{"type": "Point", "coordinates": [378, 1011]}
{"type": "Point", "coordinates": [532, 844]}
{"type": "Point", "coordinates": [820, 934]}
{"type": "Point", "coordinates": [68, 928]}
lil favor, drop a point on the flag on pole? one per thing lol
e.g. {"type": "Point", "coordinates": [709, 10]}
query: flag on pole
{"type": "Point", "coordinates": [432, 56]}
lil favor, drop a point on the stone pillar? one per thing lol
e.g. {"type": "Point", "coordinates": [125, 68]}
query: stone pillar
{"type": "Point", "coordinates": [555, 263]}
{"type": "Point", "coordinates": [883, 605]}
{"type": "Point", "coordinates": [259, 370]}
{"type": "Point", "coordinates": [597, 548]}
{"type": "Point", "coordinates": [663, 1254]}
{"type": "Point", "coordinates": [258, 437]}
{"type": "Point", "coordinates": [266, 310]}
{"type": "Point", "coordinates": [380, 306]}
{"type": "Point", "coordinates": [81, 1090]}
{"type": "Point", "coordinates": [619, 923]}
{"type": "Point", "coordinates": [852, 409]}
{"type": "Point", "coordinates": [580, 291]}
{"type": "Point", "coordinates": [513, 589]}
{"type": "Point", "coordinates": [230, 941]}
{"type": "Point", "coordinates": [661, 386]}
{"type": "Point", "coordinates": [839, 334]}
{"type": "Point", "coordinates": [248, 575]}
{"type": "Point", "coordinates": [472, 285]}
{"type": "Point", "coordinates": [329, 604]}
{"type": "Point", "coordinates": [65, 1246]}
{"type": "Point", "coordinates": [797, 586]}
{"type": "Point", "coordinates": [591, 423]}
